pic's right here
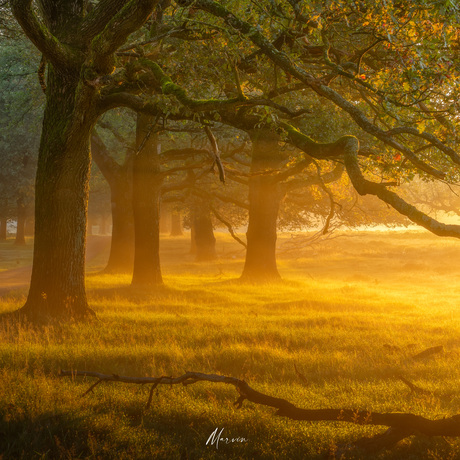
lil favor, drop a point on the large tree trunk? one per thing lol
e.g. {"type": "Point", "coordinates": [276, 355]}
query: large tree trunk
{"type": "Point", "coordinates": [20, 223]}
{"type": "Point", "coordinates": [79, 50]}
{"type": "Point", "coordinates": [264, 202]}
{"type": "Point", "coordinates": [57, 287]}
{"type": "Point", "coordinates": [203, 232]}
{"type": "Point", "coordinates": [147, 181]}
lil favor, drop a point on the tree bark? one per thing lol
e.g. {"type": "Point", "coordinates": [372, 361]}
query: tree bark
{"type": "Point", "coordinates": [20, 223]}
{"type": "Point", "coordinates": [203, 233]}
{"type": "Point", "coordinates": [147, 181]}
{"type": "Point", "coordinates": [264, 200]}
{"type": "Point", "coordinates": [79, 47]}
{"type": "Point", "coordinates": [57, 287]}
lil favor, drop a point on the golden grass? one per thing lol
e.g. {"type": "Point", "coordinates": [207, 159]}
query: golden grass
{"type": "Point", "coordinates": [350, 313]}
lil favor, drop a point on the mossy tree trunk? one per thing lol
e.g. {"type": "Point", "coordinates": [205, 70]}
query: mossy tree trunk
{"type": "Point", "coordinates": [147, 180]}
{"type": "Point", "coordinates": [79, 48]}
{"type": "Point", "coordinates": [57, 285]}
{"type": "Point", "coordinates": [264, 201]}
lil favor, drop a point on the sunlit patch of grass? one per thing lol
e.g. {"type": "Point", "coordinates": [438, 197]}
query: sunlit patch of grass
{"type": "Point", "coordinates": [350, 314]}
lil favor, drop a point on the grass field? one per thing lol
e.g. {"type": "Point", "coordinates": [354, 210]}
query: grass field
{"type": "Point", "coordinates": [350, 314]}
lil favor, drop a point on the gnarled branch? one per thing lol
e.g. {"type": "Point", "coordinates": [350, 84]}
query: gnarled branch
{"type": "Point", "coordinates": [52, 49]}
{"type": "Point", "coordinates": [401, 424]}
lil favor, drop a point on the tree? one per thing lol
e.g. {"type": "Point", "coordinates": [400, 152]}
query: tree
{"type": "Point", "coordinates": [147, 180]}
{"type": "Point", "coordinates": [389, 67]}
{"type": "Point", "coordinates": [79, 48]}
{"type": "Point", "coordinates": [119, 178]}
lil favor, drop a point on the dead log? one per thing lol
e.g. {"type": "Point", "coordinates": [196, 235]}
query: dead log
{"type": "Point", "coordinates": [401, 425]}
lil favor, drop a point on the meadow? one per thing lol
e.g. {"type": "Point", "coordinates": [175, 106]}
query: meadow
{"type": "Point", "coordinates": [350, 313]}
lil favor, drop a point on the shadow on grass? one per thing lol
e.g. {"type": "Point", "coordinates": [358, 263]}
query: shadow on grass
{"type": "Point", "coordinates": [156, 294]}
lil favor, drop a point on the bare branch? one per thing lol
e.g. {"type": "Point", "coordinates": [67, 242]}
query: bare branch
{"type": "Point", "coordinates": [107, 165]}
{"type": "Point", "coordinates": [281, 59]}
{"type": "Point", "coordinates": [406, 423]}
{"type": "Point", "coordinates": [97, 19]}
{"type": "Point", "coordinates": [117, 30]}
{"type": "Point", "coordinates": [52, 49]}
{"type": "Point", "coordinates": [366, 187]}
{"type": "Point", "coordinates": [229, 227]}
{"type": "Point", "coordinates": [216, 151]}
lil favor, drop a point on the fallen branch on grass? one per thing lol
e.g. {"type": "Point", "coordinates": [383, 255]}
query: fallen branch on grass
{"type": "Point", "coordinates": [428, 353]}
{"type": "Point", "coordinates": [401, 425]}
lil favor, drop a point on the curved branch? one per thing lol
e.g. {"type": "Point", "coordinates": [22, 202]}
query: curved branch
{"type": "Point", "coordinates": [283, 61]}
{"type": "Point", "coordinates": [330, 176]}
{"type": "Point", "coordinates": [366, 187]}
{"type": "Point", "coordinates": [409, 423]}
{"type": "Point", "coordinates": [51, 48]}
{"type": "Point", "coordinates": [118, 29]}
{"type": "Point", "coordinates": [97, 19]}
{"type": "Point", "coordinates": [107, 165]}
{"type": "Point", "coordinates": [348, 146]}
{"type": "Point", "coordinates": [169, 87]}
{"type": "Point", "coordinates": [229, 226]}
{"type": "Point", "coordinates": [216, 151]}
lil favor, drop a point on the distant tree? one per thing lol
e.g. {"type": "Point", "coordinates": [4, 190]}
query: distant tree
{"type": "Point", "coordinates": [117, 170]}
